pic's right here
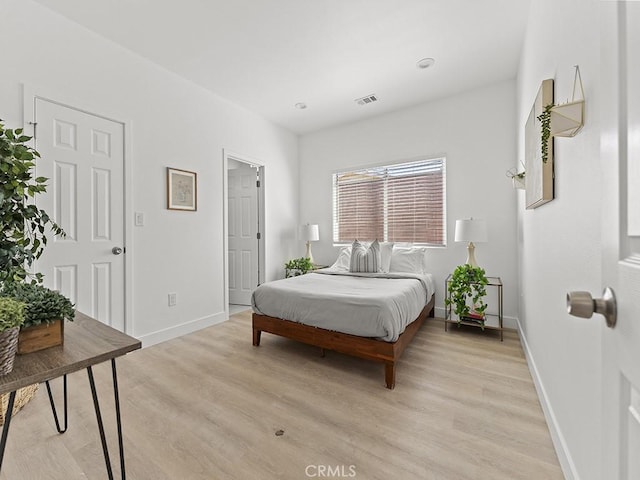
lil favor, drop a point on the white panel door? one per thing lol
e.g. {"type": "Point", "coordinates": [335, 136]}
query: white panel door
{"type": "Point", "coordinates": [243, 233]}
{"type": "Point", "coordinates": [620, 148]}
{"type": "Point", "coordinates": [82, 155]}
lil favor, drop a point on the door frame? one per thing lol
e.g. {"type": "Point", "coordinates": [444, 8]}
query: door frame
{"type": "Point", "coordinates": [69, 100]}
{"type": "Point", "coordinates": [226, 156]}
{"type": "Point", "coordinates": [620, 247]}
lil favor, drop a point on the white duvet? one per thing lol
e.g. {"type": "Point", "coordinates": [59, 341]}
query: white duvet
{"type": "Point", "coordinates": [378, 305]}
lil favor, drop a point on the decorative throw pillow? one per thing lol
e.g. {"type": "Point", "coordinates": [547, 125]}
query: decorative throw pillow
{"type": "Point", "coordinates": [365, 259]}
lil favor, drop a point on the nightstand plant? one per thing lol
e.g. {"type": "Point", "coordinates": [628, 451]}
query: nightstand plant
{"type": "Point", "coordinates": [297, 266]}
{"type": "Point", "coordinates": [466, 283]}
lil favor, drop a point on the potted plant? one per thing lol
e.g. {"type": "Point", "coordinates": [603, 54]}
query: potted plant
{"type": "Point", "coordinates": [298, 266]}
{"type": "Point", "coordinates": [11, 318]}
{"type": "Point", "coordinates": [44, 315]}
{"type": "Point", "coordinates": [468, 283]}
{"type": "Point", "coordinates": [22, 223]}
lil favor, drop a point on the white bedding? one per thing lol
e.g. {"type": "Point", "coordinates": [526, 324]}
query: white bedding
{"type": "Point", "coordinates": [378, 305]}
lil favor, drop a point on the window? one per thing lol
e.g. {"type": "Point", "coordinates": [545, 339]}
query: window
{"type": "Point", "coordinates": [404, 202]}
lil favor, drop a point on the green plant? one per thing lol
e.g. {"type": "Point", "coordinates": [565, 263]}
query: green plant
{"type": "Point", "coordinates": [297, 266]}
{"type": "Point", "coordinates": [42, 305]}
{"type": "Point", "coordinates": [23, 224]}
{"type": "Point", "coordinates": [545, 122]}
{"type": "Point", "coordinates": [467, 282]}
{"type": "Point", "coordinates": [11, 313]}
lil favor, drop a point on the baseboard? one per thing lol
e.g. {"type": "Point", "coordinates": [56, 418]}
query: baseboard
{"type": "Point", "coordinates": [564, 457]}
{"type": "Point", "coordinates": [508, 322]}
{"type": "Point", "coordinates": [439, 312]}
{"type": "Point", "coordinates": [182, 329]}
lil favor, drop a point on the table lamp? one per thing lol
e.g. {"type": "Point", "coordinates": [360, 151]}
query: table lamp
{"type": "Point", "coordinates": [309, 233]}
{"type": "Point", "coordinates": [471, 230]}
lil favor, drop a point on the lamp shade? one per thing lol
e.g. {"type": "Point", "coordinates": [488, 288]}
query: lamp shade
{"type": "Point", "coordinates": [309, 233]}
{"type": "Point", "coordinates": [471, 230]}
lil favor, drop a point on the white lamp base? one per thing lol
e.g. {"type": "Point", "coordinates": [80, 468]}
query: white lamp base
{"type": "Point", "coordinates": [309, 255]}
{"type": "Point", "coordinates": [471, 255]}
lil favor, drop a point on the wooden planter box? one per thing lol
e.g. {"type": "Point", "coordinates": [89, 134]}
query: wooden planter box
{"type": "Point", "coordinates": [39, 337]}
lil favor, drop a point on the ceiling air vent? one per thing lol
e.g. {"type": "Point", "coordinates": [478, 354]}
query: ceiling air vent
{"type": "Point", "coordinates": [365, 100]}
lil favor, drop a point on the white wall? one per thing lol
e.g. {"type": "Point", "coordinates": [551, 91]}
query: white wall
{"type": "Point", "coordinates": [474, 130]}
{"type": "Point", "coordinates": [171, 122]}
{"type": "Point", "coordinates": [559, 243]}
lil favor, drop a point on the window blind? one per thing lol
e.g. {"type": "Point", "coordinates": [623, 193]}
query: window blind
{"type": "Point", "coordinates": [403, 202]}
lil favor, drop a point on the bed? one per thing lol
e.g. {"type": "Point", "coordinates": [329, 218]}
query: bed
{"type": "Point", "coordinates": [368, 315]}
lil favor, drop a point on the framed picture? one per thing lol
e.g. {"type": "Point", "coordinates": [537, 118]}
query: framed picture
{"type": "Point", "coordinates": [539, 177]}
{"type": "Point", "coordinates": [182, 189]}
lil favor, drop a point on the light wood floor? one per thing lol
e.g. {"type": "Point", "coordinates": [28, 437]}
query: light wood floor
{"type": "Point", "coordinates": [207, 406]}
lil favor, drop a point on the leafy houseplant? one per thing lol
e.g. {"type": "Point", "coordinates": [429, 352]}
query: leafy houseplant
{"type": "Point", "coordinates": [467, 282]}
{"type": "Point", "coordinates": [42, 305]}
{"type": "Point", "coordinates": [11, 318]}
{"type": "Point", "coordinates": [297, 266]}
{"type": "Point", "coordinates": [11, 314]}
{"type": "Point", "coordinates": [22, 223]}
{"type": "Point", "coordinates": [44, 315]}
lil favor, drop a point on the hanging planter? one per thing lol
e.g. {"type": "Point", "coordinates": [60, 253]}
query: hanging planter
{"type": "Point", "coordinates": [517, 178]}
{"type": "Point", "coordinates": [568, 118]}
{"type": "Point", "coordinates": [564, 120]}
{"type": "Point", "coordinates": [518, 181]}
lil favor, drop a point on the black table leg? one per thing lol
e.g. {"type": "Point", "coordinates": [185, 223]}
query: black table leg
{"type": "Point", "coordinates": [116, 396]}
{"type": "Point", "coordinates": [5, 428]}
{"type": "Point", "coordinates": [103, 439]}
{"type": "Point", "coordinates": [53, 405]}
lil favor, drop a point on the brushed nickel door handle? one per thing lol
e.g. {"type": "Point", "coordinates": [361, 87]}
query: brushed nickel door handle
{"type": "Point", "coordinates": [582, 304]}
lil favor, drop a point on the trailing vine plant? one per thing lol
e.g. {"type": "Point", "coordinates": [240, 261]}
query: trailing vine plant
{"type": "Point", "coordinates": [467, 282]}
{"type": "Point", "coordinates": [545, 121]}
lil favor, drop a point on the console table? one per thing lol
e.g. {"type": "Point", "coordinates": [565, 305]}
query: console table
{"type": "Point", "coordinates": [87, 342]}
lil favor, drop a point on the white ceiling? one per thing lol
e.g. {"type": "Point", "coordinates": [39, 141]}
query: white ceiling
{"type": "Point", "coordinates": [268, 55]}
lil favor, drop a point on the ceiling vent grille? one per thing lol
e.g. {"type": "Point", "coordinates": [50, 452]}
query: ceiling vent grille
{"type": "Point", "coordinates": [366, 100]}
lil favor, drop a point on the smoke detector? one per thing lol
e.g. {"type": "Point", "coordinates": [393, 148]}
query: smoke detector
{"type": "Point", "coordinates": [366, 100]}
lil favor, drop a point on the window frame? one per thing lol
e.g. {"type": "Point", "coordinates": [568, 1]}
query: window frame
{"type": "Point", "coordinates": [359, 169]}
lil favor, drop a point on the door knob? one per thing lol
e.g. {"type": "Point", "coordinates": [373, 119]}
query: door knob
{"type": "Point", "coordinates": [582, 304]}
{"type": "Point", "coordinates": [116, 250]}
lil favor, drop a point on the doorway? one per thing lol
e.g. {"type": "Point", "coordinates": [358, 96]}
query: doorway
{"type": "Point", "coordinates": [82, 155]}
{"type": "Point", "coordinates": [244, 236]}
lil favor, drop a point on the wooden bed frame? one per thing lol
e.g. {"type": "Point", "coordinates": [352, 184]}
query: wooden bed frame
{"type": "Point", "coordinates": [363, 347]}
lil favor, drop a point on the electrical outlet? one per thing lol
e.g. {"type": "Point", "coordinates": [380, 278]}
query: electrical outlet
{"type": "Point", "coordinates": [173, 299]}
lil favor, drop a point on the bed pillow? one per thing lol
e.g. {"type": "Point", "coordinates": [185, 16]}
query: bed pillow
{"type": "Point", "coordinates": [365, 259]}
{"type": "Point", "coordinates": [342, 263]}
{"type": "Point", "coordinates": [408, 260]}
{"type": "Point", "coordinates": [386, 248]}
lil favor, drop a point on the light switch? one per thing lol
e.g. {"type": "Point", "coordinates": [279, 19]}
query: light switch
{"type": "Point", "coordinates": [139, 219]}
